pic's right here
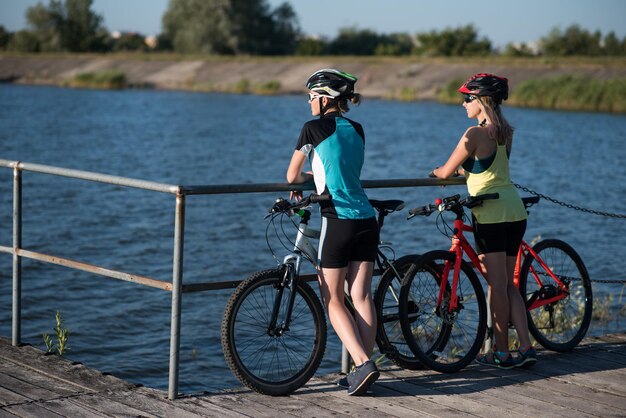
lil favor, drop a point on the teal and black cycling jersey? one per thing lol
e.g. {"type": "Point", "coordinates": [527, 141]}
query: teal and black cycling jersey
{"type": "Point", "coordinates": [336, 149]}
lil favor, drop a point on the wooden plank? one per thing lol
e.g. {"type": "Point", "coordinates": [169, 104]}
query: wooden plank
{"type": "Point", "coordinates": [155, 402]}
{"type": "Point", "coordinates": [435, 405]}
{"type": "Point", "coordinates": [6, 414]}
{"type": "Point", "coordinates": [198, 404]}
{"type": "Point", "coordinates": [32, 410]}
{"type": "Point", "coordinates": [298, 406]}
{"type": "Point", "coordinates": [474, 390]}
{"type": "Point", "coordinates": [241, 400]}
{"type": "Point", "coordinates": [36, 378]}
{"type": "Point", "coordinates": [558, 403]}
{"type": "Point", "coordinates": [69, 408]}
{"type": "Point", "coordinates": [371, 404]}
{"type": "Point", "coordinates": [600, 373]}
{"type": "Point", "coordinates": [60, 368]}
{"type": "Point", "coordinates": [566, 389]}
{"type": "Point", "coordinates": [7, 396]}
{"type": "Point", "coordinates": [615, 353]}
{"type": "Point", "coordinates": [102, 403]}
{"type": "Point", "coordinates": [26, 389]}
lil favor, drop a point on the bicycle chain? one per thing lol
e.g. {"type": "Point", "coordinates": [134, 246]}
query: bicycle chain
{"type": "Point", "coordinates": [569, 205]}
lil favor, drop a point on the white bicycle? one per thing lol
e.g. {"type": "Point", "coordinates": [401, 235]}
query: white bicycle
{"type": "Point", "coordinates": [274, 326]}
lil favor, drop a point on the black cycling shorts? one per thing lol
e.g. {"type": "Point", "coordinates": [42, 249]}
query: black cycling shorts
{"type": "Point", "coordinates": [345, 240]}
{"type": "Point", "coordinates": [500, 237]}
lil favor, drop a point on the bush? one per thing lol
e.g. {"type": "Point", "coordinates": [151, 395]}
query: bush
{"type": "Point", "coordinates": [570, 92]}
{"type": "Point", "coordinates": [109, 79]}
{"type": "Point", "coordinates": [449, 93]}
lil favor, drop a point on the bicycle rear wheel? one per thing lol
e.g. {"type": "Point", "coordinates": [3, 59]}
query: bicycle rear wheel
{"type": "Point", "coordinates": [444, 341]}
{"type": "Point", "coordinates": [557, 326]}
{"type": "Point", "coordinates": [389, 336]}
{"type": "Point", "coordinates": [270, 362]}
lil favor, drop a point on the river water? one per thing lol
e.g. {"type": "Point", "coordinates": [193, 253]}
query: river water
{"type": "Point", "coordinates": [194, 138]}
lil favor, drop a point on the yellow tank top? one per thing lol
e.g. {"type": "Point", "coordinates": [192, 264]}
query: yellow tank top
{"type": "Point", "coordinates": [496, 179]}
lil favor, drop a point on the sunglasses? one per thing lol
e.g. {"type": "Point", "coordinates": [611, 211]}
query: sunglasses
{"type": "Point", "coordinates": [469, 98]}
{"type": "Point", "coordinates": [313, 96]}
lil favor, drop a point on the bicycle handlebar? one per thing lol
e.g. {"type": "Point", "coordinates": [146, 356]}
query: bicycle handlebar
{"type": "Point", "coordinates": [451, 203]}
{"type": "Point", "coordinates": [285, 206]}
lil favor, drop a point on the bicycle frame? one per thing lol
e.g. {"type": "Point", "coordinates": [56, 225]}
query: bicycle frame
{"type": "Point", "coordinates": [461, 246]}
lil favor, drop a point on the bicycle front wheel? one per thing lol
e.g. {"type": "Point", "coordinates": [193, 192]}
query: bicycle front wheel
{"type": "Point", "coordinates": [444, 339]}
{"type": "Point", "coordinates": [264, 356]}
{"type": "Point", "coordinates": [560, 325]}
{"type": "Point", "coordinates": [389, 336]}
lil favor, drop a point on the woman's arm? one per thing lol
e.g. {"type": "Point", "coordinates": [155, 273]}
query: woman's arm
{"type": "Point", "coordinates": [295, 173]}
{"type": "Point", "coordinates": [464, 149]}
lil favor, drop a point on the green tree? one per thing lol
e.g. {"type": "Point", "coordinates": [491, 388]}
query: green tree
{"type": "Point", "coordinates": [5, 37]}
{"type": "Point", "coordinates": [612, 45]}
{"type": "Point", "coordinates": [230, 27]}
{"type": "Point", "coordinates": [129, 41]}
{"type": "Point", "coordinates": [46, 26]}
{"type": "Point", "coordinates": [23, 41]}
{"type": "Point", "coordinates": [70, 26]}
{"type": "Point", "coordinates": [573, 41]}
{"type": "Point", "coordinates": [353, 41]}
{"type": "Point", "coordinates": [286, 30]}
{"type": "Point", "coordinates": [462, 41]}
{"type": "Point", "coordinates": [394, 44]}
{"type": "Point", "coordinates": [517, 50]}
{"type": "Point", "coordinates": [311, 46]}
{"type": "Point", "coordinates": [82, 29]}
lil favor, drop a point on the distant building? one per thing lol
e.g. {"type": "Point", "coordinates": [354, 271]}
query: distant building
{"type": "Point", "coordinates": [151, 41]}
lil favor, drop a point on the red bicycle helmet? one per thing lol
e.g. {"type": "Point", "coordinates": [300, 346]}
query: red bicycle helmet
{"type": "Point", "coordinates": [483, 84]}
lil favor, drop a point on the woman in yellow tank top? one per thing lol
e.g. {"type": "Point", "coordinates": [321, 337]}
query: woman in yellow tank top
{"type": "Point", "coordinates": [482, 155]}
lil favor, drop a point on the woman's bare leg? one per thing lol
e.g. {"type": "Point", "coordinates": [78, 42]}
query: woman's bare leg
{"type": "Point", "coordinates": [332, 282]}
{"type": "Point", "coordinates": [360, 284]}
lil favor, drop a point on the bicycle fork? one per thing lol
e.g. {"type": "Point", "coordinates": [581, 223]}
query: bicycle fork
{"type": "Point", "coordinates": [290, 282]}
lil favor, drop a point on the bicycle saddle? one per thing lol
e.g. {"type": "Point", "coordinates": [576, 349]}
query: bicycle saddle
{"type": "Point", "coordinates": [387, 206]}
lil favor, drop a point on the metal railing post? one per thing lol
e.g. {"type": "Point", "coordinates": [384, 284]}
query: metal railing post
{"type": "Point", "coordinates": [17, 260]}
{"type": "Point", "coordinates": [177, 283]}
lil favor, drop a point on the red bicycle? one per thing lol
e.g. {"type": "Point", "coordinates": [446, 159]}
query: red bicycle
{"type": "Point", "coordinates": [448, 327]}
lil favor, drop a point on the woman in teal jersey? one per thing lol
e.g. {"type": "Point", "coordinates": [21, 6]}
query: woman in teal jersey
{"type": "Point", "coordinates": [482, 155]}
{"type": "Point", "coordinates": [349, 238]}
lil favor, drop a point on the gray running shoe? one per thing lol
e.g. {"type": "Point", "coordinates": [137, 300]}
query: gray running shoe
{"type": "Point", "coordinates": [362, 378]}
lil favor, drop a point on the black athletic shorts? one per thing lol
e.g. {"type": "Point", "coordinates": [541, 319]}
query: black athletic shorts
{"type": "Point", "coordinates": [500, 237]}
{"type": "Point", "coordinates": [345, 240]}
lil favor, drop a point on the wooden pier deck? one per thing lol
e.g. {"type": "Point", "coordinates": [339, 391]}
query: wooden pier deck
{"type": "Point", "coordinates": [587, 382]}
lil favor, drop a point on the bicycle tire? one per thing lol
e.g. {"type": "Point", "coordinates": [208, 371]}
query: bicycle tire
{"type": "Point", "coordinates": [280, 364]}
{"type": "Point", "coordinates": [444, 342]}
{"type": "Point", "coordinates": [389, 337]}
{"type": "Point", "coordinates": [561, 325]}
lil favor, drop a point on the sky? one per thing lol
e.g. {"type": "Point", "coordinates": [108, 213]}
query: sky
{"type": "Point", "coordinates": [501, 21]}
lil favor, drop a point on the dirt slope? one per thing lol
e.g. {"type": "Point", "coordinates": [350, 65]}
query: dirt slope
{"type": "Point", "coordinates": [378, 77]}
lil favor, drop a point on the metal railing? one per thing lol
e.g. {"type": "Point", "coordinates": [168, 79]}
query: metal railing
{"type": "Point", "coordinates": [176, 286]}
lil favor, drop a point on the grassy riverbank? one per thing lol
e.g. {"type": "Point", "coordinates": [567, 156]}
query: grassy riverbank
{"type": "Point", "coordinates": [572, 83]}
